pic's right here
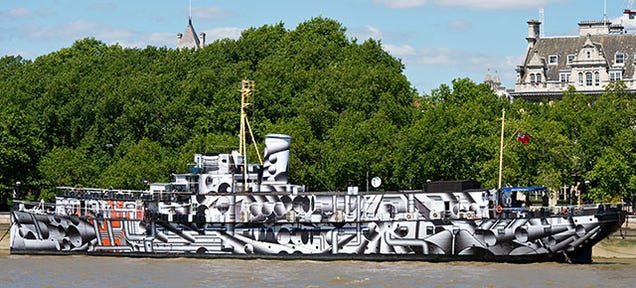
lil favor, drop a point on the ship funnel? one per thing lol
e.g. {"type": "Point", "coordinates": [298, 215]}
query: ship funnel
{"type": "Point", "coordinates": [276, 158]}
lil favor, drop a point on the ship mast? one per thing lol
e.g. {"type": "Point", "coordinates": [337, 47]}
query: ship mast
{"type": "Point", "coordinates": [247, 91]}
{"type": "Point", "coordinates": [501, 145]}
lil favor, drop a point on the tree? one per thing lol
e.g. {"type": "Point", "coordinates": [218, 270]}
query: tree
{"type": "Point", "coordinates": [143, 160]}
{"type": "Point", "coordinates": [456, 136]}
{"type": "Point", "coordinates": [20, 151]}
{"type": "Point", "coordinates": [103, 115]}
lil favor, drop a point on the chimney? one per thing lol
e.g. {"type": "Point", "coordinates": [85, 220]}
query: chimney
{"type": "Point", "coordinates": [276, 158]}
{"type": "Point", "coordinates": [533, 31]}
{"type": "Point", "coordinates": [202, 38]}
{"type": "Point", "coordinates": [594, 27]}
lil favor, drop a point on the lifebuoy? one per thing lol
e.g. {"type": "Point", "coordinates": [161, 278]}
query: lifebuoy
{"type": "Point", "coordinates": [498, 209]}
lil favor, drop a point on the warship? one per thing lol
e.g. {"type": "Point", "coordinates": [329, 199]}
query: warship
{"type": "Point", "coordinates": [225, 207]}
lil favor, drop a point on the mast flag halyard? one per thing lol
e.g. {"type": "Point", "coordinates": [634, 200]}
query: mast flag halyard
{"type": "Point", "coordinates": [521, 137]}
{"type": "Point", "coordinates": [501, 145]}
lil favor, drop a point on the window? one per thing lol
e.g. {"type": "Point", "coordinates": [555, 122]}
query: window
{"type": "Point", "coordinates": [588, 78]}
{"type": "Point", "coordinates": [597, 79]}
{"type": "Point", "coordinates": [580, 78]}
{"type": "Point", "coordinates": [564, 77]}
{"type": "Point", "coordinates": [589, 55]}
{"type": "Point", "coordinates": [553, 59]}
{"type": "Point", "coordinates": [616, 76]}
{"type": "Point", "coordinates": [570, 58]}
{"type": "Point", "coordinates": [619, 58]}
{"type": "Point", "coordinates": [538, 78]}
{"type": "Point", "coordinates": [532, 78]}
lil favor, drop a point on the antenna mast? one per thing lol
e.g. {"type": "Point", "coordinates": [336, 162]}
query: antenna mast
{"type": "Point", "coordinates": [190, 10]}
{"type": "Point", "coordinates": [247, 90]}
{"type": "Point", "coordinates": [542, 19]}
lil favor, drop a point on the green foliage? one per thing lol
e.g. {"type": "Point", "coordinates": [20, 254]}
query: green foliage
{"type": "Point", "coordinates": [455, 137]}
{"type": "Point", "coordinates": [142, 160]}
{"type": "Point", "coordinates": [20, 150]}
{"type": "Point", "coordinates": [102, 115]}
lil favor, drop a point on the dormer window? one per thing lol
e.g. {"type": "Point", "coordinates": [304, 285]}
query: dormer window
{"type": "Point", "coordinates": [619, 58]}
{"type": "Point", "coordinates": [589, 54]}
{"type": "Point", "coordinates": [553, 59]}
{"type": "Point", "coordinates": [570, 58]}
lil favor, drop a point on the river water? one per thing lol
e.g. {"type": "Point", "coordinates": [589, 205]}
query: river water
{"type": "Point", "coordinates": [91, 271]}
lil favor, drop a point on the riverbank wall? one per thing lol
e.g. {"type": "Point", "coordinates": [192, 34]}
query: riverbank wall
{"type": "Point", "coordinates": [5, 223]}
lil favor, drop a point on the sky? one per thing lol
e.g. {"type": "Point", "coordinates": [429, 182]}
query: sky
{"type": "Point", "coordinates": [436, 40]}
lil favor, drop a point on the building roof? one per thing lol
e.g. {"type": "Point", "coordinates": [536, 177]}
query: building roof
{"type": "Point", "coordinates": [608, 45]}
{"type": "Point", "coordinates": [189, 38]}
{"type": "Point", "coordinates": [588, 62]}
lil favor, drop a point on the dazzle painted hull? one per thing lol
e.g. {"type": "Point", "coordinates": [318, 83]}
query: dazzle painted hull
{"type": "Point", "coordinates": [528, 239]}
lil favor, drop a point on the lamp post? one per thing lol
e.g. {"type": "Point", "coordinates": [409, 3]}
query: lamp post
{"type": "Point", "coordinates": [586, 190]}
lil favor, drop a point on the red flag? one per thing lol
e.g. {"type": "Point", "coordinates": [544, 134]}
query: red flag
{"type": "Point", "coordinates": [523, 138]}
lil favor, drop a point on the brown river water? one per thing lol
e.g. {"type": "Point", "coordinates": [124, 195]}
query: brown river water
{"type": "Point", "coordinates": [92, 271]}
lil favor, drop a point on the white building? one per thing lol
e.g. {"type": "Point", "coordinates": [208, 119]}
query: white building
{"type": "Point", "coordinates": [602, 52]}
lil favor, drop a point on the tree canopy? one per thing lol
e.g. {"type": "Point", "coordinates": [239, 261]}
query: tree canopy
{"type": "Point", "coordinates": [103, 115]}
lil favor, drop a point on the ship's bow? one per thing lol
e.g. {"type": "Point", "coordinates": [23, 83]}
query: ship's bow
{"type": "Point", "coordinates": [610, 219]}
